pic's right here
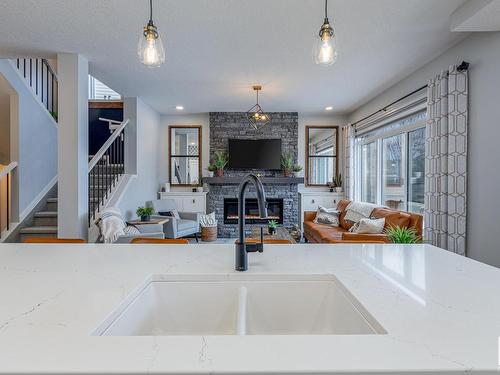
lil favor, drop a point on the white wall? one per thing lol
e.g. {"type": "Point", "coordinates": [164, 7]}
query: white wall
{"type": "Point", "coordinates": [144, 186]}
{"type": "Point", "coordinates": [482, 50]}
{"type": "Point", "coordinates": [163, 162]}
{"type": "Point", "coordinates": [33, 140]}
{"type": "Point", "coordinates": [4, 123]}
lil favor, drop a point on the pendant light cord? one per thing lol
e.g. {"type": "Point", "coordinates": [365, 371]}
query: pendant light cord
{"type": "Point", "coordinates": [151, 10]}
{"type": "Point", "coordinates": [326, 9]}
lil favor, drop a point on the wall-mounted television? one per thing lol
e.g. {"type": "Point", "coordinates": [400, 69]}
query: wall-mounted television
{"type": "Point", "coordinates": [255, 154]}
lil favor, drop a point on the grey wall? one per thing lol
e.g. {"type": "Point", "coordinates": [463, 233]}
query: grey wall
{"type": "Point", "coordinates": [33, 140]}
{"type": "Point", "coordinates": [482, 50]}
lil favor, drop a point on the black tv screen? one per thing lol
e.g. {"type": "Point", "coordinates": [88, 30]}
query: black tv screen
{"type": "Point", "coordinates": [255, 154]}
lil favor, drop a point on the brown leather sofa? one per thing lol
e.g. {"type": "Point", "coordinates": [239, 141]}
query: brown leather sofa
{"type": "Point", "coordinates": [321, 233]}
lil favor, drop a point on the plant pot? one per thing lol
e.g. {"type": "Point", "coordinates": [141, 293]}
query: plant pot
{"type": "Point", "coordinates": [287, 173]}
{"type": "Point", "coordinates": [271, 231]}
{"type": "Point", "coordinates": [146, 218]}
{"type": "Point", "coordinates": [338, 189]}
{"type": "Point", "coordinates": [219, 172]}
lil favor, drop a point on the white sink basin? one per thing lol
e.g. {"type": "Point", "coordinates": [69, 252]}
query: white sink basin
{"type": "Point", "coordinates": [243, 304]}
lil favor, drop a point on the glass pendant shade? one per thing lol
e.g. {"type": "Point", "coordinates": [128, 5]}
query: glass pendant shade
{"type": "Point", "coordinates": [150, 49]}
{"type": "Point", "coordinates": [325, 50]}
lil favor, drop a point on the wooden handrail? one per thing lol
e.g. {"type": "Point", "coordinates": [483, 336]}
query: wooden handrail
{"type": "Point", "coordinates": [107, 144]}
{"type": "Point", "coordinates": [5, 171]}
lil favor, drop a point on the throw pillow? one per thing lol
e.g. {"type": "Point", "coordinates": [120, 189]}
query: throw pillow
{"type": "Point", "coordinates": [368, 226]}
{"type": "Point", "coordinates": [327, 216]}
{"type": "Point", "coordinates": [131, 230]}
{"type": "Point", "coordinates": [173, 213]}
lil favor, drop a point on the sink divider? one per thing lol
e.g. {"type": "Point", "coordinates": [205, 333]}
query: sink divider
{"type": "Point", "coordinates": [242, 311]}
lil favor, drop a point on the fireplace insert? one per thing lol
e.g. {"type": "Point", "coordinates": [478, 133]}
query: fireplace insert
{"type": "Point", "coordinates": [274, 211]}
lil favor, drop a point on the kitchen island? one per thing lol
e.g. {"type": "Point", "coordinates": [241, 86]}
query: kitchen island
{"type": "Point", "coordinates": [439, 312]}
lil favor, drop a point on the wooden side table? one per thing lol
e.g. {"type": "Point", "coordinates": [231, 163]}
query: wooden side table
{"type": "Point", "coordinates": [154, 221]}
{"type": "Point", "coordinates": [281, 234]}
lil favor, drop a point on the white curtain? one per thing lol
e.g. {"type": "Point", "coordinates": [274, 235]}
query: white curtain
{"type": "Point", "coordinates": [348, 142]}
{"type": "Point", "coordinates": [446, 161]}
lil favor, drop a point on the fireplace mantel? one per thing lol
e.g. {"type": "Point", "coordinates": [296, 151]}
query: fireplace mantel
{"type": "Point", "coordinates": [236, 180]}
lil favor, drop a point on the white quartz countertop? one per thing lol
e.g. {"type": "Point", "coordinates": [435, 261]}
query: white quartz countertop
{"type": "Point", "coordinates": [441, 311]}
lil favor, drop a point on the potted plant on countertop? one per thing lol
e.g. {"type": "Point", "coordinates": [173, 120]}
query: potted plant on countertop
{"type": "Point", "coordinates": [402, 235]}
{"type": "Point", "coordinates": [337, 181]}
{"type": "Point", "coordinates": [271, 226]}
{"type": "Point", "coordinates": [145, 213]}
{"type": "Point", "coordinates": [218, 163]}
{"type": "Point", "coordinates": [288, 166]}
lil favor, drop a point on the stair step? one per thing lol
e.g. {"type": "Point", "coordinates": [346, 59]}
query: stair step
{"type": "Point", "coordinates": [45, 218]}
{"type": "Point", "coordinates": [39, 230]}
{"type": "Point", "coordinates": [52, 200]}
{"type": "Point", "coordinates": [52, 204]}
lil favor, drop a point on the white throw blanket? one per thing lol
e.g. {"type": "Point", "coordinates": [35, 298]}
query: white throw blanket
{"type": "Point", "coordinates": [112, 225]}
{"type": "Point", "coordinates": [359, 210]}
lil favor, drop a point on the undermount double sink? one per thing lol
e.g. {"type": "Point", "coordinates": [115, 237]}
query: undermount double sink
{"type": "Point", "coordinates": [240, 304]}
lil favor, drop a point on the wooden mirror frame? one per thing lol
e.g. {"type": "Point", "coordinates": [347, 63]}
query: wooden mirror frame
{"type": "Point", "coordinates": [170, 156]}
{"type": "Point", "coordinates": [306, 172]}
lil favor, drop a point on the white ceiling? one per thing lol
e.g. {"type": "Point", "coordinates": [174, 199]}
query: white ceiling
{"type": "Point", "coordinates": [216, 49]}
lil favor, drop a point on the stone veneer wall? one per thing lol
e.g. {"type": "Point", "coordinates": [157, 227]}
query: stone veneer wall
{"type": "Point", "coordinates": [226, 125]}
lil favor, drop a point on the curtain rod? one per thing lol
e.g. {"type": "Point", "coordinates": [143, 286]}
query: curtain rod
{"type": "Point", "coordinates": [463, 66]}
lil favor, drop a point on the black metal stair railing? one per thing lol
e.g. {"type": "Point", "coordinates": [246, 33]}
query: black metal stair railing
{"type": "Point", "coordinates": [105, 170]}
{"type": "Point", "coordinates": [42, 80]}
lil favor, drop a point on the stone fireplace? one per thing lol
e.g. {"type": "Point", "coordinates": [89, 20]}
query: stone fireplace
{"type": "Point", "coordinates": [223, 192]}
{"type": "Point", "coordinates": [274, 211]}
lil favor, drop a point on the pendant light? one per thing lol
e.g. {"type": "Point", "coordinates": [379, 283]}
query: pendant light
{"type": "Point", "coordinates": [325, 49]}
{"type": "Point", "coordinates": [150, 49]}
{"type": "Point", "coordinates": [256, 115]}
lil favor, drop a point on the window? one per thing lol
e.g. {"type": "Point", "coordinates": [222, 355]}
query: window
{"type": "Point", "coordinates": [185, 154]}
{"type": "Point", "coordinates": [391, 162]}
{"type": "Point", "coordinates": [321, 154]}
{"type": "Point", "coordinates": [99, 91]}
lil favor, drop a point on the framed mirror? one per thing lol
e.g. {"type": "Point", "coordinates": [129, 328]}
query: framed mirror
{"type": "Point", "coordinates": [185, 155]}
{"type": "Point", "coordinates": [321, 154]}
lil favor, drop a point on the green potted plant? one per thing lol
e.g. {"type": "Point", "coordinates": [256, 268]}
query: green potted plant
{"type": "Point", "coordinates": [218, 163]}
{"type": "Point", "coordinates": [145, 213]}
{"type": "Point", "coordinates": [337, 182]}
{"type": "Point", "coordinates": [271, 226]}
{"type": "Point", "coordinates": [402, 235]}
{"type": "Point", "coordinates": [288, 166]}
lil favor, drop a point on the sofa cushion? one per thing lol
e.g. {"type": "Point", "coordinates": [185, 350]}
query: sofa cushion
{"type": "Point", "coordinates": [327, 216]}
{"type": "Point", "coordinates": [342, 206]}
{"type": "Point", "coordinates": [368, 226]}
{"type": "Point", "coordinates": [392, 218]}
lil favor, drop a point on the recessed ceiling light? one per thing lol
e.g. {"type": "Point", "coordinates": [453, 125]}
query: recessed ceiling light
{"type": "Point", "coordinates": [328, 108]}
{"type": "Point", "coordinates": [179, 107]}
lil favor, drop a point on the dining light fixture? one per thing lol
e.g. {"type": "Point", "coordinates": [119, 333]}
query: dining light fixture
{"type": "Point", "coordinates": [256, 115]}
{"type": "Point", "coordinates": [325, 51]}
{"type": "Point", "coordinates": [150, 49]}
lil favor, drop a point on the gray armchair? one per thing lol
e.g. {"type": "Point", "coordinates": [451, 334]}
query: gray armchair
{"type": "Point", "coordinates": [187, 225]}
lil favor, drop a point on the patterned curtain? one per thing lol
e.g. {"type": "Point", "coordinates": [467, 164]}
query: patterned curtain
{"type": "Point", "coordinates": [348, 142]}
{"type": "Point", "coordinates": [446, 161]}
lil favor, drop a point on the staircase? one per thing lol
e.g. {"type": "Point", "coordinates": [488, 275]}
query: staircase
{"type": "Point", "coordinates": [44, 222]}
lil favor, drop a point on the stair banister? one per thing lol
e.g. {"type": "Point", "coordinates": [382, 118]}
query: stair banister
{"type": "Point", "coordinates": [105, 170]}
{"type": "Point", "coordinates": [107, 144]}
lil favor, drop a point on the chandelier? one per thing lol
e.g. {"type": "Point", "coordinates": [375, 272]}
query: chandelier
{"type": "Point", "coordinates": [256, 115]}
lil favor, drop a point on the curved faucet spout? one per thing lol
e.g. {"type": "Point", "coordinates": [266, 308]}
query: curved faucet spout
{"type": "Point", "coordinates": [241, 249]}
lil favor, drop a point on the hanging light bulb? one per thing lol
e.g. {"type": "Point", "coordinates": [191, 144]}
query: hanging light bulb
{"type": "Point", "coordinates": [256, 115]}
{"type": "Point", "coordinates": [325, 51]}
{"type": "Point", "coordinates": [150, 49]}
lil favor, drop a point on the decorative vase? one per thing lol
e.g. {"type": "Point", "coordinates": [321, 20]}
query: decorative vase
{"type": "Point", "coordinates": [219, 172]}
{"type": "Point", "coordinates": [146, 218]}
{"type": "Point", "coordinates": [338, 189]}
{"type": "Point", "coordinates": [210, 174]}
{"type": "Point", "coordinates": [271, 231]}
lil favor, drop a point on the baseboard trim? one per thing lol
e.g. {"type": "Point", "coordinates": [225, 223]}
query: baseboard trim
{"type": "Point", "coordinates": [37, 199]}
